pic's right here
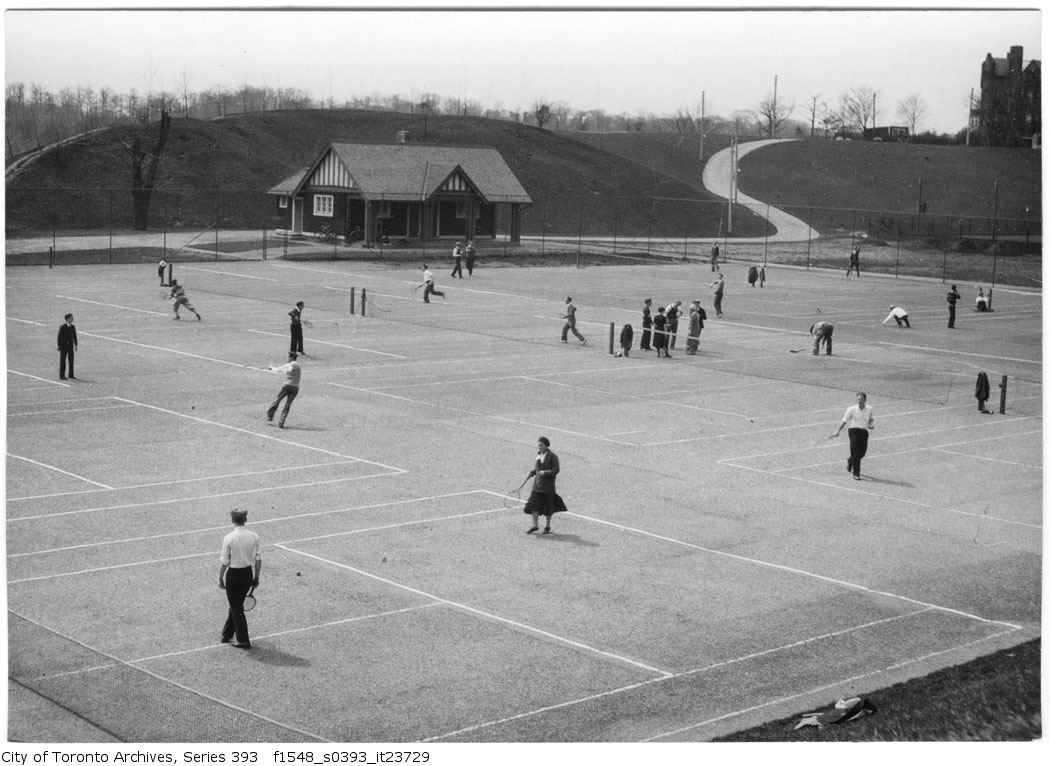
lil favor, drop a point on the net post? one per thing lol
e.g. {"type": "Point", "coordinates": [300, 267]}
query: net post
{"type": "Point", "coordinates": [989, 298]}
{"type": "Point", "coordinates": [1002, 396]}
{"type": "Point", "coordinates": [352, 294]}
{"type": "Point", "coordinates": [51, 257]}
{"type": "Point", "coordinates": [170, 267]}
{"type": "Point", "coordinates": [612, 334]}
{"type": "Point", "coordinates": [363, 299]}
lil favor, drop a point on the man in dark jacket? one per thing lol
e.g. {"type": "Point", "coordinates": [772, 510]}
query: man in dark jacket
{"type": "Point", "coordinates": [953, 297]}
{"type": "Point", "coordinates": [67, 346]}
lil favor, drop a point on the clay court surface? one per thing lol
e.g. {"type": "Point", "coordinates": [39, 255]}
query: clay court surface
{"type": "Point", "coordinates": [718, 566]}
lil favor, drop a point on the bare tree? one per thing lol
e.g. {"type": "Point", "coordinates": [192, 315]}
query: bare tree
{"type": "Point", "coordinates": [812, 109]}
{"type": "Point", "coordinates": [184, 89]}
{"type": "Point", "coordinates": [911, 110]}
{"type": "Point", "coordinates": [858, 106]}
{"type": "Point", "coordinates": [542, 113]}
{"type": "Point", "coordinates": [144, 163]}
{"type": "Point", "coordinates": [771, 115]}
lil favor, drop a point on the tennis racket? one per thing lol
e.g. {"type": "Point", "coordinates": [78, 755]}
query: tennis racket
{"type": "Point", "coordinates": [249, 600]}
{"type": "Point", "coordinates": [512, 498]}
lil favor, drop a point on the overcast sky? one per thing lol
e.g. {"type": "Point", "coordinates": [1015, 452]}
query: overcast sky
{"type": "Point", "coordinates": [618, 60]}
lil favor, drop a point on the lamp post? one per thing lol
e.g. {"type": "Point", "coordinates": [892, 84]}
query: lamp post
{"type": "Point", "coordinates": [995, 212]}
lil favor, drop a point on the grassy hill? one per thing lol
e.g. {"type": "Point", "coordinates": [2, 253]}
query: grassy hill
{"type": "Point", "coordinates": [956, 180]}
{"type": "Point", "coordinates": [221, 168]}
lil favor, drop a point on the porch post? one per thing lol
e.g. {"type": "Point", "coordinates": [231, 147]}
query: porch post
{"type": "Point", "coordinates": [369, 233]}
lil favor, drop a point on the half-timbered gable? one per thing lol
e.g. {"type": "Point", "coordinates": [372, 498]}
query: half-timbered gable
{"type": "Point", "coordinates": [405, 191]}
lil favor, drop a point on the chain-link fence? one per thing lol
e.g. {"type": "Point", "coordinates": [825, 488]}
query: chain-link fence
{"type": "Point", "coordinates": [58, 226]}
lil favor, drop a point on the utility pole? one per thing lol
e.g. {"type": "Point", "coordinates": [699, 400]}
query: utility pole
{"type": "Point", "coordinates": [969, 118]}
{"type": "Point", "coordinates": [773, 116]}
{"type": "Point", "coordinates": [702, 94]}
{"type": "Point", "coordinates": [732, 177]}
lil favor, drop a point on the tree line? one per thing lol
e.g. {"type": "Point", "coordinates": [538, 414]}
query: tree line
{"type": "Point", "coordinates": [37, 117]}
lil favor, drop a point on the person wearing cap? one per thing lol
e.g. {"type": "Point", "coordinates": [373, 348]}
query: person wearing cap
{"type": "Point", "coordinates": [544, 500]}
{"type": "Point", "coordinates": [953, 298]}
{"type": "Point", "coordinates": [296, 315]}
{"type": "Point", "coordinates": [457, 256]}
{"type": "Point", "coordinates": [696, 326]}
{"type": "Point", "coordinates": [240, 565]}
{"type": "Point", "coordinates": [292, 375]}
{"type": "Point", "coordinates": [821, 332]}
{"type": "Point", "coordinates": [896, 312]}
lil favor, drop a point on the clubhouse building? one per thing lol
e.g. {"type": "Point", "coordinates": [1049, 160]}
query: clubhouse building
{"type": "Point", "coordinates": [401, 193]}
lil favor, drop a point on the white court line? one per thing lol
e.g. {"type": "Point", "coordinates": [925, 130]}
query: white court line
{"type": "Point", "coordinates": [654, 681]}
{"type": "Point", "coordinates": [890, 498]}
{"type": "Point", "coordinates": [295, 516]}
{"type": "Point", "coordinates": [172, 351]}
{"type": "Point", "coordinates": [208, 647]}
{"type": "Point", "coordinates": [226, 273]}
{"type": "Point", "coordinates": [197, 693]}
{"type": "Point", "coordinates": [261, 436]}
{"type": "Point", "coordinates": [843, 683]}
{"type": "Point", "coordinates": [63, 412]}
{"type": "Point", "coordinates": [185, 481]}
{"type": "Point", "coordinates": [480, 612]}
{"type": "Point", "coordinates": [277, 634]}
{"type": "Point", "coordinates": [480, 414]}
{"type": "Point", "coordinates": [59, 470]}
{"type": "Point", "coordinates": [961, 353]}
{"type": "Point", "coordinates": [112, 305]}
{"type": "Point", "coordinates": [985, 457]}
{"type": "Point", "coordinates": [329, 343]}
{"type": "Point", "coordinates": [280, 487]}
{"type": "Point", "coordinates": [793, 570]}
{"type": "Point", "coordinates": [43, 380]}
{"type": "Point", "coordinates": [25, 321]}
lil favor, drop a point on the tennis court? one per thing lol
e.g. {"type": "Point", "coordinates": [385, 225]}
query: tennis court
{"type": "Point", "coordinates": [718, 567]}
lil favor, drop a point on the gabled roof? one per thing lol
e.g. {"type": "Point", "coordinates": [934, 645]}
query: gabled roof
{"type": "Point", "coordinates": [291, 183]}
{"type": "Point", "coordinates": [413, 172]}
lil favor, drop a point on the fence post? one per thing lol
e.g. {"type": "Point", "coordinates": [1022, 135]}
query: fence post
{"type": "Point", "coordinates": [579, 235]}
{"type": "Point", "coordinates": [765, 251]}
{"type": "Point", "coordinates": [897, 268]}
{"type": "Point", "coordinates": [164, 223]}
{"type": "Point", "coordinates": [352, 295]}
{"type": "Point", "coordinates": [54, 222]}
{"type": "Point", "coordinates": [264, 238]}
{"type": "Point", "coordinates": [612, 333]}
{"type": "Point", "coordinates": [809, 236]}
{"type": "Point", "coordinates": [543, 236]}
{"type": "Point", "coordinates": [51, 257]}
{"type": "Point", "coordinates": [111, 226]}
{"type": "Point", "coordinates": [364, 298]}
{"type": "Point", "coordinates": [218, 208]}
{"type": "Point", "coordinates": [1002, 396]}
{"type": "Point", "coordinates": [616, 220]}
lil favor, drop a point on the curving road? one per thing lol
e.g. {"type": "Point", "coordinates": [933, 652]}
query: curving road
{"type": "Point", "coordinates": [717, 177]}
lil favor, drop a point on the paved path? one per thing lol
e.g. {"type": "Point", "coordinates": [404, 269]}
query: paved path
{"type": "Point", "coordinates": [717, 177]}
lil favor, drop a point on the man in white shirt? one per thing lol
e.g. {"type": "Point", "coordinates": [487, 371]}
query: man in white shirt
{"type": "Point", "coordinates": [428, 285]}
{"type": "Point", "coordinates": [292, 375]}
{"type": "Point", "coordinates": [896, 312]}
{"type": "Point", "coordinates": [240, 565]}
{"type": "Point", "coordinates": [860, 419]}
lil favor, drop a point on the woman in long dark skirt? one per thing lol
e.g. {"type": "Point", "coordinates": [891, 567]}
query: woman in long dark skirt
{"type": "Point", "coordinates": [543, 500]}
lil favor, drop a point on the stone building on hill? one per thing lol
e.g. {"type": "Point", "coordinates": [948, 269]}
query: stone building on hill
{"type": "Point", "coordinates": [1008, 110]}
